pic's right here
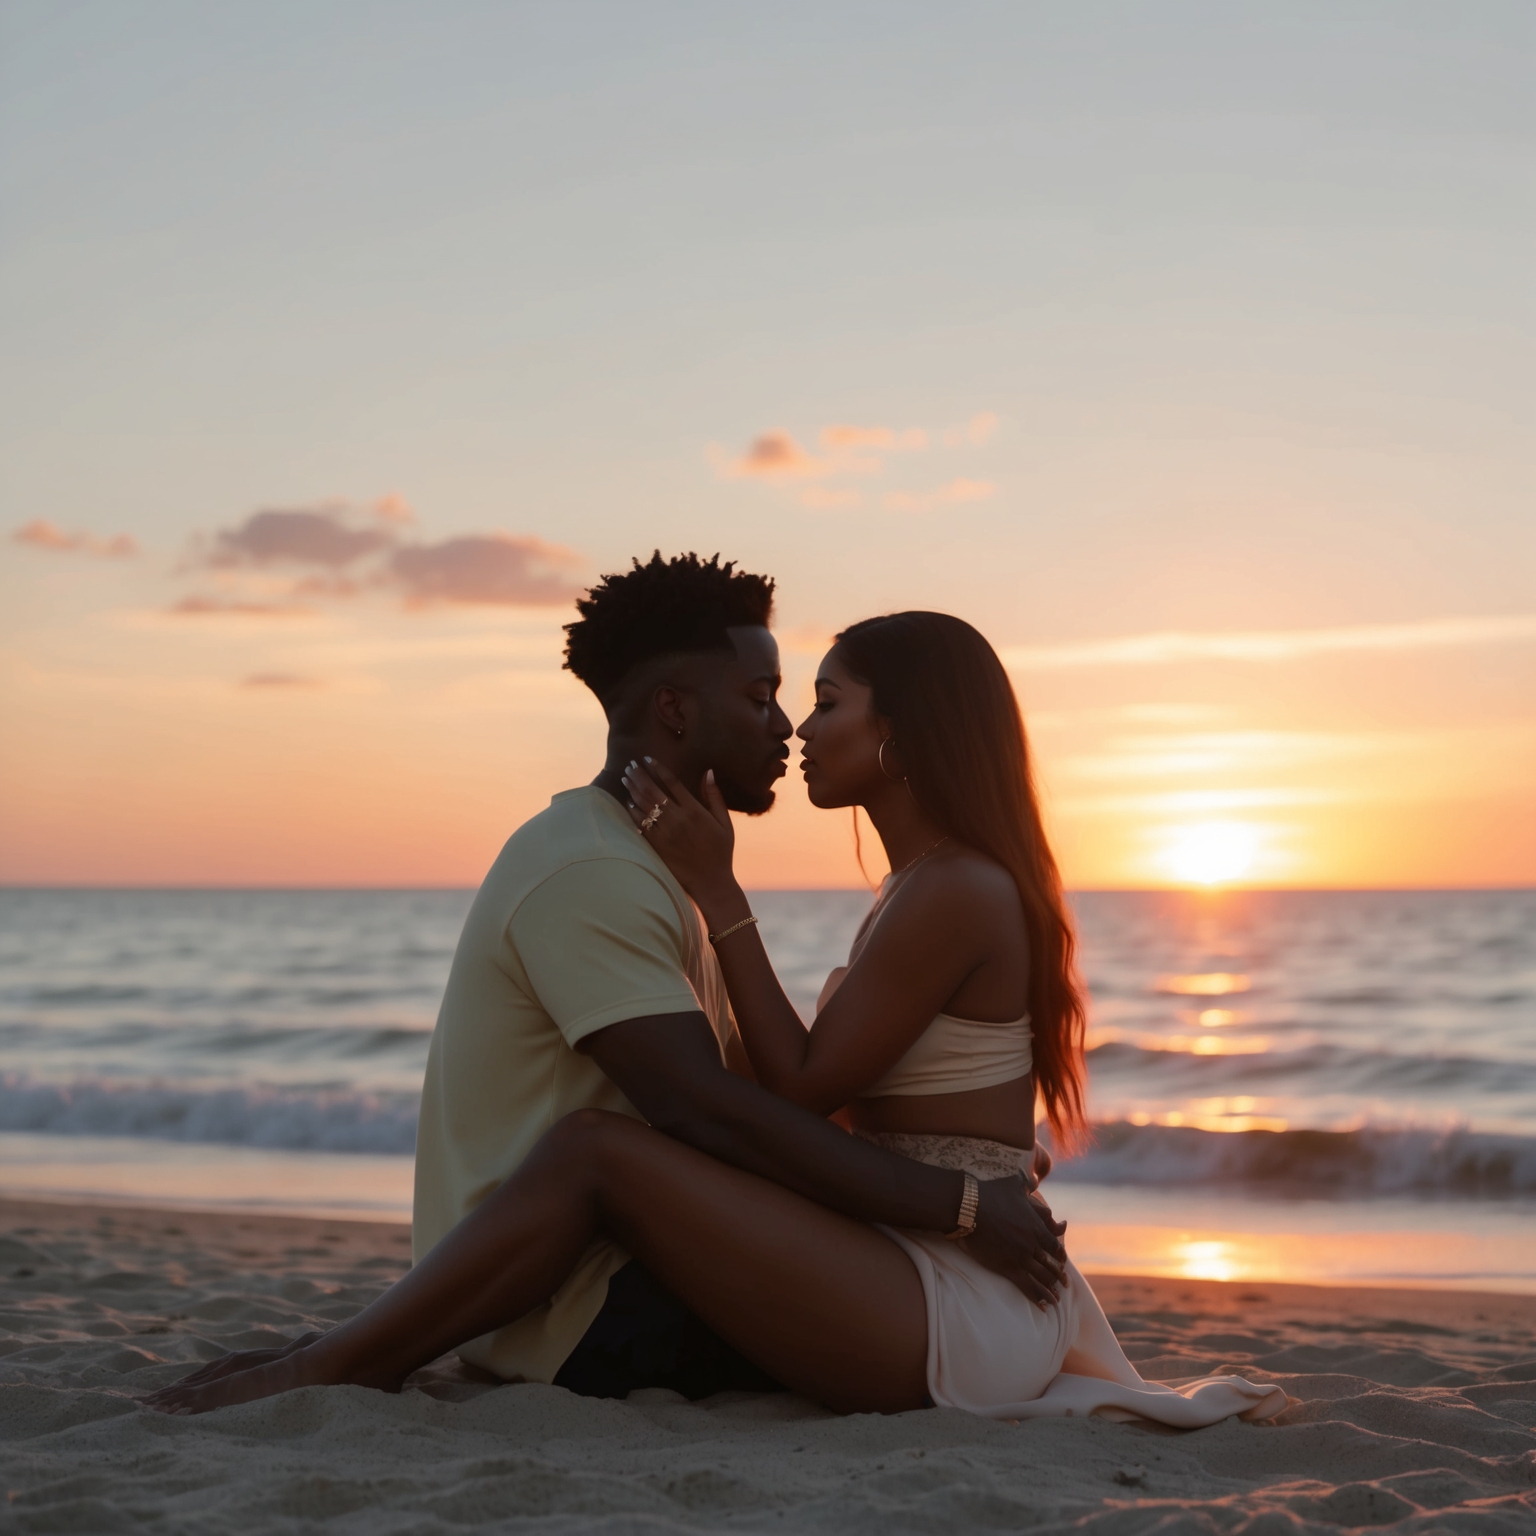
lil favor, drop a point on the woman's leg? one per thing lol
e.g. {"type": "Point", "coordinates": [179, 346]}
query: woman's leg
{"type": "Point", "coordinates": [825, 1304]}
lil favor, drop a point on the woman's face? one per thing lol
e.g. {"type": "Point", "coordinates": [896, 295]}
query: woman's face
{"type": "Point", "coordinates": [842, 736]}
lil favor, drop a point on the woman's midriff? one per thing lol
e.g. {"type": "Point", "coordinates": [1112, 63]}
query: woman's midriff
{"type": "Point", "coordinates": [1003, 1113]}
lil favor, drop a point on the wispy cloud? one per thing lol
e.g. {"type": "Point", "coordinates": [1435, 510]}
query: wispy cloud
{"type": "Point", "coordinates": [200, 604]}
{"type": "Point", "coordinates": [41, 534]}
{"type": "Point", "coordinates": [498, 568]}
{"type": "Point", "coordinates": [1278, 645]}
{"type": "Point", "coordinates": [973, 434]}
{"type": "Point", "coordinates": [848, 448]}
{"type": "Point", "coordinates": [953, 494]}
{"type": "Point", "coordinates": [273, 560]}
{"type": "Point", "coordinates": [1256, 770]}
{"type": "Point", "coordinates": [1192, 754]}
{"type": "Point", "coordinates": [911, 440]}
{"type": "Point", "coordinates": [278, 680]}
{"type": "Point", "coordinates": [1203, 802]}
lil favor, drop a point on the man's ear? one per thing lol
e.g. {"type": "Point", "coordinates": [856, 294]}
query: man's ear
{"type": "Point", "coordinates": [667, 702]}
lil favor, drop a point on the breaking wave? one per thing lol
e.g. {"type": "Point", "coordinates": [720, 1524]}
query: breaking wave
{"type": "Point", "coordinates": [300, 1120]}
{"type": "Point", "coordinates": [1370, 1161]}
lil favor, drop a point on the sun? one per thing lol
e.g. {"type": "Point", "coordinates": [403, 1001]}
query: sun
{"type": "Point", "coordinates": [1211, 852]}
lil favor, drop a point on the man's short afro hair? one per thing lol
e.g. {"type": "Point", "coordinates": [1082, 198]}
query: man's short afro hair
{"type": "Point", "coordinates": [663, 607]}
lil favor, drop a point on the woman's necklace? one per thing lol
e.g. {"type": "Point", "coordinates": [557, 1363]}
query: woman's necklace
{"type": "Point", "coordinates": [919, 859]}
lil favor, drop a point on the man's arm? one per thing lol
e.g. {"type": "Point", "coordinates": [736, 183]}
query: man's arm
{"type": "Point", "coordinates": [668, 1066]}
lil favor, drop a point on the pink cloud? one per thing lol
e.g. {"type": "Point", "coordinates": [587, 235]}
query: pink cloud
{"type": "Point", "coordinates": [495, 568]}
{"type": "Point", "coordinates": [847, 449]}
{"type": "Point", "coordinates": [775, 455]}
{"type": "Point", "coordinates": [353, 550]}
{"type": "Point", "coordinates": [956, 491]}
{"type": "Point", "coordinates": [393, 509]}
{"type": "Point", "coordinates": [843, 436]}
{"type": "Point", "coordinates": [326, 536]}
{"type": "Point", "coordinates": [277, 680]}
{"type": "Point", "coordinates": [197, 605]}
{"type": "Point", "coordinates": [41, 534]}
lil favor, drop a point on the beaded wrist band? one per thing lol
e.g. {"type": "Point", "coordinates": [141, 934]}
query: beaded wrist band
{"type": "Point", "coordinates": [968, 1204]}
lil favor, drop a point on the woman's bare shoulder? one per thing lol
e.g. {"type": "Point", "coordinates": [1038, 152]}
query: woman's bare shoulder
{"type": "Point", "coordinates": [964, 882]}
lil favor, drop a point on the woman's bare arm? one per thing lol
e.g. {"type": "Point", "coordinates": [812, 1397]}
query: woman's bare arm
{"type": "Point", "coordinates": [932, 935]}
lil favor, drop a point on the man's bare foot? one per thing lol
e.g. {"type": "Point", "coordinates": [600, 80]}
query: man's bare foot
{"type": "Point", "coordinates": [238, 1360]}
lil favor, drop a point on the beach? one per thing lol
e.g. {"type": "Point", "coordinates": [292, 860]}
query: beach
{"type": "Point", "coordinates": [1412, 1410]}
{"type": "Point", "coordinates": [1058, 474]}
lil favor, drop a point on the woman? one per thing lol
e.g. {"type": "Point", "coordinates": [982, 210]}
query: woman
{"type": "Point", "coordinates": [957, 1008]}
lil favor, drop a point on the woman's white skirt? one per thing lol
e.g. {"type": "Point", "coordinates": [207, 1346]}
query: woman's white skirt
{"type": "Point", "coordinates": [991, 1351]}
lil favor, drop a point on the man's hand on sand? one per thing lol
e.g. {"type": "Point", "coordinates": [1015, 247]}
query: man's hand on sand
{"type": "Point", "coordinates": [162, 1398]}
{"type": "Point", "coordinates": [1017, 1236]}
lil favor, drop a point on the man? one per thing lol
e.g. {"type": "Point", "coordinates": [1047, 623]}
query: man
{"type": "Point", "coordinates": [584, 979]}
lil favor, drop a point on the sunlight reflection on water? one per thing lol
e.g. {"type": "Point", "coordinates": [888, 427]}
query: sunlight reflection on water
{"type": "Point", "coordinates": [1383, 1242]}
{"type": "Point", "coordinates": [264, 1049]}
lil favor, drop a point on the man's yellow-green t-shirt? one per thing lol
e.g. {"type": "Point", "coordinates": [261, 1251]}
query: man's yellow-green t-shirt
{"type": "Point", "coordinates": [577, 926]}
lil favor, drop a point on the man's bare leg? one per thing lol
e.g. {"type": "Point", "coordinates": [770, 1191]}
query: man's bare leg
{"type": "Point", "coordinates": [825, 1304]}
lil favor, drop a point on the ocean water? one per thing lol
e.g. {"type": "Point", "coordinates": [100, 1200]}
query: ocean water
{"type": "Point", "coordinates": [1335, 1085]}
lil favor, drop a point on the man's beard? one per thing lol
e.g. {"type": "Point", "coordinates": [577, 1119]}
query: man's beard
{"type": "Point", "coordinates": [739, 797]}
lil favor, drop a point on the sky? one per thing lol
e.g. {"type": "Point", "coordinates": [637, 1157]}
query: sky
{"type": "Point", "coordinates": [1185, 349]}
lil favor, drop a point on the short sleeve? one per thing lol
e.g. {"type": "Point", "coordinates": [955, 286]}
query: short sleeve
{"type": "Point", "coordinates": [601, 942]}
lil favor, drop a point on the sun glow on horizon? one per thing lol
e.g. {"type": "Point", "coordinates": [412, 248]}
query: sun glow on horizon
{"type": "Point", "coordinates": [1210, 853]}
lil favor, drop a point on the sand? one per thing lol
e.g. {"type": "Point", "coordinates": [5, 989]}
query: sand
{"type": "Point", "coordinates": [1415, 1412]}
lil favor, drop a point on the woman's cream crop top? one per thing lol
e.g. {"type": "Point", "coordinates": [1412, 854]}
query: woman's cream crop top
{"type": "Point", "coordinates": [952, 1055]}
{"type": "Point", "coordinates": [955, 1055]}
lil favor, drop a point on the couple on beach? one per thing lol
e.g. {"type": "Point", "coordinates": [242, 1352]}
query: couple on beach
{"type": "Point", "coordinates": [636, 1167]}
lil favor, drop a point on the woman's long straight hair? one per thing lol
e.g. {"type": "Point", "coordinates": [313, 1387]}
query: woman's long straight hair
{"type": "Point", "coordinates": [956, 723]}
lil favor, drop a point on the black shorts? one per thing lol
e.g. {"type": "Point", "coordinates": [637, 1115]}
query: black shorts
{"type": "Point", "coordinates": [645, 1337]}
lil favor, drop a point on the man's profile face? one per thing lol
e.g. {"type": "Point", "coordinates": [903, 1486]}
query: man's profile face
{"type": "Point", "coordinates": [743, 733]}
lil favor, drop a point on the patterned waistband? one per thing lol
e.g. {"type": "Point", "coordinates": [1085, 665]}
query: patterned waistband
{"type": "Point", "coordinates": [963, 1154]}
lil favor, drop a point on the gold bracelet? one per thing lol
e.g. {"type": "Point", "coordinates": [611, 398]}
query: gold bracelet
{"type": "Point", "coordinates": [746, 922]}
{"type": "Point", "coordinates": [968, 1203]}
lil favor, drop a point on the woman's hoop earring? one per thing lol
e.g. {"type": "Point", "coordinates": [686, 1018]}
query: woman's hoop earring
{"type": "Point", "coordinates": [895, 778]}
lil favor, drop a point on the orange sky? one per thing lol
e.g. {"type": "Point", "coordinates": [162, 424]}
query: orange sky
{"type": "Point", "coordinates": [380, 745]}
{"type": "Point", "coordinates": [1188, 358]}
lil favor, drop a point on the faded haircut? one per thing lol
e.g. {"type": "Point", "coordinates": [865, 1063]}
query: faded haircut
{"type": "Point", "coordinates": [662, 608]}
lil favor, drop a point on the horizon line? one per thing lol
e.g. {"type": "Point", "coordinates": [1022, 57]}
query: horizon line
{"type": "Point", "coordinates": [169, 888]}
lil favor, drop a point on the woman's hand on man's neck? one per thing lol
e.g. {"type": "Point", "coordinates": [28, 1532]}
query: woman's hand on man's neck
{"type": "Point", "coordinates": [623, 750]}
